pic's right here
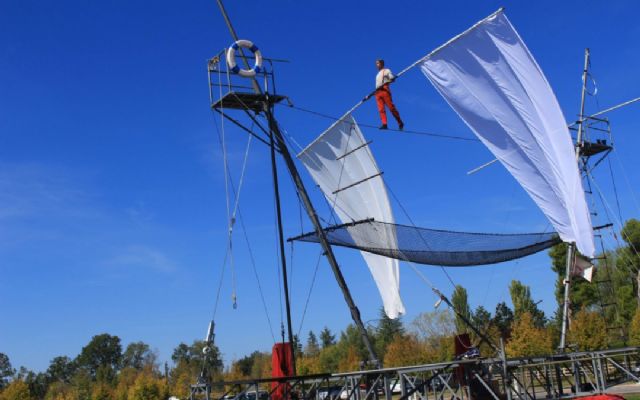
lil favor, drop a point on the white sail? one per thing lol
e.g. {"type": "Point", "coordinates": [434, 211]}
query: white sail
{"type": "Point", "coordinates": [340, 162]}
{"type": "Point", "coordinates": [492, 81]}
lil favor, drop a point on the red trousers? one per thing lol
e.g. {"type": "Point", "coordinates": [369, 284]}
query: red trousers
{"type": "Point", "coordinates": [383, 97]}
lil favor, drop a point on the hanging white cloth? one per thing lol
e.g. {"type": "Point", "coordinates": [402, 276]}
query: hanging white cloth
{"type": "Point", "coordinates": [489, 77]}
{"type": "Point", "coordinates": [340, 162]}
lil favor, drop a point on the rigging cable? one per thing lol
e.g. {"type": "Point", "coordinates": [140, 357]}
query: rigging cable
{"type": "Point", "coordinates": [226, 192]}
{"type": "Point", "coordinates": [251, 257]}
{"type": "Point", "coordinates": [424, 133]}
{"type": "Point", "coordinates": [626, 178]}
{"type": "Point", "coordinates": [606, 203]}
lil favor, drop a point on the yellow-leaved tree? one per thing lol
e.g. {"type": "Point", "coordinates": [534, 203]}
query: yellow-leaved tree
{"type": "Point", "coordinates": [404, 350]}
{"type": "Point", "coordinates": [528, 340]}
{"type": "Point", "coordinates": [588, 331]}
{"type": "Point", "coordinates": [17, 390]}
{"type": "Point", "coordinates": [148, 387]}
{"type": "Point", "coordinates": [634, 329]}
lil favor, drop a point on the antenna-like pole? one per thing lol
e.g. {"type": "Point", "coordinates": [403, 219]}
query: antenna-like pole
{"type": "Point", "coordinates": [571, 249]}
{"type": "Point", "coordinates": [306, 201]}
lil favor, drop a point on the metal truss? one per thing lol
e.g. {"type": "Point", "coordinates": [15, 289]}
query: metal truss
{"type": "Point", "coordinates": [564, 375]}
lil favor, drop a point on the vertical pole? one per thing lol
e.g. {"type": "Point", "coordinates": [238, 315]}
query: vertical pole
{"type": "Point", "coordinates": [283, 258]}
{"type": "Point", "coordinates": [571, 248]}
{"type": "Point", "coordinates": [565, 305]}
{"type": "Point", "coordinates": [328, 251]}
{"type": "Point", "coordinates": [506, 385]}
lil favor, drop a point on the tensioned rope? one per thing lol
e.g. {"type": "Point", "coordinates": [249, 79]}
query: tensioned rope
{"type": "Point", "coordinates": [366, 125]}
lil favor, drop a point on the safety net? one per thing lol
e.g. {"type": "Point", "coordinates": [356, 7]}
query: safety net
{"type": "Point", "coordinates": [432, 246]}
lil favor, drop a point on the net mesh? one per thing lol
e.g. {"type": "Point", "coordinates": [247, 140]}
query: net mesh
{"type": "Point", "coordinates": [434, 247]}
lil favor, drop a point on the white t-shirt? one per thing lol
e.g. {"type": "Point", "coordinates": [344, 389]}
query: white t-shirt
{"type": "Point", "coordinates": [384, 76]}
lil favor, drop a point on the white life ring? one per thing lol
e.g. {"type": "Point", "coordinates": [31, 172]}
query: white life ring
{"type": "Point", "coordinates": [231, 58]}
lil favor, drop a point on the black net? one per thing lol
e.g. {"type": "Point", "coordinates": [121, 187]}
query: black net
{"type": "Point", "coordinates": [434, 247]}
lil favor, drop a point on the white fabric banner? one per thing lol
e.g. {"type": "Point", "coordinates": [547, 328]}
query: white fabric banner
{"type": "Point", "coordinates": [342, 165]}
{"type": "Point", "coordinates": [489, 77]}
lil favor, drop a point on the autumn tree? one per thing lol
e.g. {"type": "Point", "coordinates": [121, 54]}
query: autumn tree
{"type": "Point", "coordinates": [147, 386]}
{"type": "Point", "coordinates": [404, 350]}
{"type": "Point", "coordinates": [16, 390]}
{"type": "Point", "coordinates": [528, 340]}
{"type": "Point", "coordinates": [634, 329]}
{"type": "Point", "coordinates": [588, 330]}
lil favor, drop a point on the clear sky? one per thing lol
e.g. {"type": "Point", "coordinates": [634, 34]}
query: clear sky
{"type": "Point", "coordinates": [112, 206]}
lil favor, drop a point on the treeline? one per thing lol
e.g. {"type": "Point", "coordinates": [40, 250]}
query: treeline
{"type": "Point", "coordinates": [604, 313]}
{"type": "Point", "coordinates": [103, 371]}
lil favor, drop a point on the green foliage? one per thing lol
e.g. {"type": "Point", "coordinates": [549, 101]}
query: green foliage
{"type": "Point", "coordinates": [6, 371]}
{"type": "Point", "coordinates": [523, 303]}
{"type": "Point", "coordinates": [327, 338]}
{"type": "Point", "coordinates": [386, 331]}
{"type": "Point", "coordinates": [503, 318]}
{"type": "Point", "coordinates": [460, 302]}
{"type": "Point", "coordinates": [313, 347]}
{"type": "Point", "coordinates": [102, 351]}
{"type": "Point", "coordinates": [138, 355]}
{"type": "Point", "coordinates": [61, 369]}
{"type": "Point", "coordinates": [582, 293]}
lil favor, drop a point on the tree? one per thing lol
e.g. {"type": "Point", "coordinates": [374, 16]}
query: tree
{"type": "Point", "coordinates": [102, 351]}
{"type": "Point", "coordinates": [634, 329]}
{"type": "Point", "coordinates": [351, 341]}
{"type": "Point", "coordinates": [435, 330]}
{"type": "Point", "coordinates": [6, 371]}
{"type": "Point", "coordinates": [16, 390]}
{"type": "Point", "coordinates": [312, 345]}
{"type": "Point", "coordinates": [147, 387]}
{"type": "Point", "coordinates": [528, 340]}
{"type": "Point", "coordinates": [404, 350]}
{"type": "Point", "coordinates": [588, 331]}
{"type": "Point", "coordinates": [460, 302]}
{"type": "Point", "coordinates": [629, 256]}
{"type": "Point", "coordinates": [138, 355]}
{"type": "Point", "coordinates": [434, 324]}
{"type": "Point", "coordinates": [503, 319]}
{"type": "Point", "coordinates": [61, 369]}
{"type": "Point", "coordinates": [193, 357]}
{"type": "Point", "coordinates": [582, 293]}
{"type": "Point", "coordinates": [327, 338]}
{"type": "Point", "coordinates": [523, 303]}
{"type": "Point", "coordinates": [386, 332]}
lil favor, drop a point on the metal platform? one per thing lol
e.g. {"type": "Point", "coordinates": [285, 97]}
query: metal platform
{"type": "Point", "coordinates": [246, 101]}
{"type": "Point", "coordinates": [592, 148]}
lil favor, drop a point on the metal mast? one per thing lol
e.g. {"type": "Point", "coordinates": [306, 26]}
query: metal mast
{"type": "Point", "coordinates": [571, 249]}
{"type": "Point", "coordinates": [276, 134]}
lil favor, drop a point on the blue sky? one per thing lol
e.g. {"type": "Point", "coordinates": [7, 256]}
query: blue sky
{"type": "Point", "coordinates": [112, 206]}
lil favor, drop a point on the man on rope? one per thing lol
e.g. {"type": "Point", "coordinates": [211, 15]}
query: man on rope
{"type": "Point", "coordinates": [383, 95]}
